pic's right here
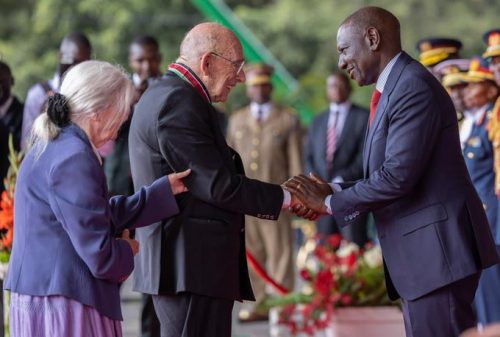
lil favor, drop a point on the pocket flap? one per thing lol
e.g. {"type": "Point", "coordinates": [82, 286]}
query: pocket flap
{"type": "Point", "coordinates": [424, 217]}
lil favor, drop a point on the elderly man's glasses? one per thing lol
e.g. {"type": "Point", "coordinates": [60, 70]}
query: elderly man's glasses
{"type": "Point", "coordinates": [237, 65]}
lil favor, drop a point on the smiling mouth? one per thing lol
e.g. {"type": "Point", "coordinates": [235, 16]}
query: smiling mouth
{"type": "Point", "coordinates": [350, 71]}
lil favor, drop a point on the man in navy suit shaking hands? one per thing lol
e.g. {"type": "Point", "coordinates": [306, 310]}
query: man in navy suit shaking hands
{"type": "Point", "coordinates": [431, 224]}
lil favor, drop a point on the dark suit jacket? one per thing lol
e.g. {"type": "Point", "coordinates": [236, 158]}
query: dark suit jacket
{"type": "Point", "coordinates": [430, 220]}
{"type": "Point", "coordinates": [65, 226]}
{"type": "Point", "coordinates": [13, 120]}
{"type": "Point", "coordinates": [203, 249]}
{"type": "Point", "coordinates": [348, 156]}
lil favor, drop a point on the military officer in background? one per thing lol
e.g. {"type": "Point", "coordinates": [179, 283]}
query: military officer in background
{"type": "Point", "coordinates": [492, 54]}
{"type": "Point", "coordinates": [268, 138]}
{"type": "Point", "coordinates": [441, 56]}
{"type": "Point", "coordinates": [451, 72]}
{"type": "Point", "coordinates": [433, 50]}
{"type": "Point", "coordinates": [480, 95]}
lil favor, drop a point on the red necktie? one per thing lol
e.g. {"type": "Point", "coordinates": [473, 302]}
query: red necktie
{"type": "Point", "coordinates": [373, 105]}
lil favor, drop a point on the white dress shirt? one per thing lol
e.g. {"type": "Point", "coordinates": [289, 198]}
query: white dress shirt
{"type": "Point", "coordinates": [470, 117]}
{"type": "Point", "coordinates": [264, 108]}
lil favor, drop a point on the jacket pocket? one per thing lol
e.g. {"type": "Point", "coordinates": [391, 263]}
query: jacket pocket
{"type": "Point", "coordinates": [422, 218]}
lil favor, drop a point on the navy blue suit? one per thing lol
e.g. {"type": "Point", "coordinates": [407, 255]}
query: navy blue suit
{"type": "Point", "coordinates": [431, 223]}
{"type": "Point", "coordinates": [65, 226]}
{"type": "Point", "coordinates": [478, 154]}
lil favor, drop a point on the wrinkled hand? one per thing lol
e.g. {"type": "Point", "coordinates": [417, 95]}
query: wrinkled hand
{"type": "Point", "coordinates": [176, 183]}
{"type": "Point", "coordinates": [311, 191]}
{"type": "Point", "coordinates": [134, 245]}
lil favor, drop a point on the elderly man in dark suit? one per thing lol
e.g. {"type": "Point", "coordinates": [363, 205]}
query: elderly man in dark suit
{"type": "Point", "coordinates": [194, 264]}
{"type": "Point", "coordinates": [432, 227]}
{"type": "Point", "coordinates": [334, 149]}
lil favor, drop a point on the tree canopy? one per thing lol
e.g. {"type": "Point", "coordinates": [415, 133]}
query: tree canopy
{"type": "Point", "coordinates": [300, 33]}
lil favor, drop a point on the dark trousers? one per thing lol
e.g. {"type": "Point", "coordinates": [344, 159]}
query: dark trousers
{"type": "Point", "coordinates": [445, 312]}
{"type": "Point", "coordinates": [150, 325]}
{"type": "Point", "coordinates": [191, 315]}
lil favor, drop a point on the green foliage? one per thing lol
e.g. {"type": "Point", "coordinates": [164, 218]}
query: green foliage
{"type": "Point", "coordinates": [300, 33]}
{"type": "Point", "coordinates": [30, 31]}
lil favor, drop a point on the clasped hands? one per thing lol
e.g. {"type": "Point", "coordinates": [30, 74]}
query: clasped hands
{"type": "Point", "coordinates": [308, 195]}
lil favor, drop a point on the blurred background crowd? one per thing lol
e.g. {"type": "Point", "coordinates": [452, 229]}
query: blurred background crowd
{"type": "Point", "coordinates": [279, 134]}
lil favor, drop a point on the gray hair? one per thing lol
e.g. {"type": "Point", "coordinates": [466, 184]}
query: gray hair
{"type": "Point", "coordinates": [91, 87]}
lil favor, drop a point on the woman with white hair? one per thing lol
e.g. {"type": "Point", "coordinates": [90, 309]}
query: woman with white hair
{"type": "Point", "coordinates": [68, 258]}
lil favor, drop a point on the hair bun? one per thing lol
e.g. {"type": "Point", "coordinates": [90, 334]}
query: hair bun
{"type": "Point", "coordinates": [58, 110]}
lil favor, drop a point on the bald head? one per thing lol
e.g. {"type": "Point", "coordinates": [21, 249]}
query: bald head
{"type": "Point", "coordinates": [205, 38]}
{"type": "Point", "coordinates": [382, 20]}
{"type": "Point", "coordinates": [215, 55]}
{"type": "Point", "coordinates": [366, 41]}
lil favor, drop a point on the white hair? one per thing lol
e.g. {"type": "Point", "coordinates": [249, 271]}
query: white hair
{"type": "Point", "coordinates": [91, 87]}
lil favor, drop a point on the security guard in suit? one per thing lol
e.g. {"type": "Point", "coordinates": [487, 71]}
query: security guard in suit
{"type": "Point", "coordinates": [268, 138]}
{"type": "Point", "coordinates": [480, 95]}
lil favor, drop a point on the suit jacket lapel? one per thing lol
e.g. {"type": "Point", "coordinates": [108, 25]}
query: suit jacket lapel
{"type": "Point", "coordinates": [393, 78]}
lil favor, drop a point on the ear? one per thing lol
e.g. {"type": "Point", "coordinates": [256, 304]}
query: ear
{"type": "Point", "coordinates": [205, 62]}
{"type": "Point", "coordinates": [492, 92]}
{"type": "Point", "coordinates": [94, 117]}
{"type": "Point", "coordinates": [373, 38]}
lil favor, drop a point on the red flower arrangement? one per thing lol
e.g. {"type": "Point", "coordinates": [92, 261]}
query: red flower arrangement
{"type": "Point", "coordinates": [337, 274]}
{"type": "Point", "coordinates": [7, 204]}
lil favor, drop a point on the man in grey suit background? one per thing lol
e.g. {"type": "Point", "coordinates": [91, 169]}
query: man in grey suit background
{"type": "Point", "coordinates": [334, 149]}
{"type": "Point", "coordinates": [431, 224]}
{"type": "Point", "coordinates": [194, 264]}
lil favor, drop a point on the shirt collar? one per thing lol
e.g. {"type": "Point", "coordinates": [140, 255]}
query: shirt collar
{"type": "Point", "coordinates": [188, 75]}
{"type": "Point", "coordinates": [476, 115]}
{"type": "Point", "coordinates": [264, 108]}
{"type": "Point", "coordinates": [382, 79]}
{"type": "Point", "coordinates": [341, 108]}
{"type": "Point", "coordinates": [5, 107]}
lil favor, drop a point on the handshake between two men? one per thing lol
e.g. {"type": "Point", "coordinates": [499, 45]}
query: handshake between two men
{"type": "Point", "coordinates": [308, 195]}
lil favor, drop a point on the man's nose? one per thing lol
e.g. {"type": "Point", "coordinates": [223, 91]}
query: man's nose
{"type": "Point", "coordinates": [241, 77]}
{"type": "Point", "coordinates": [342, 64]}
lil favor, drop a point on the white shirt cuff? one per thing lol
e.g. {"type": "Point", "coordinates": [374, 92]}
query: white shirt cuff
{"type": "Point", "coordinates": [335, 188]}
{"type": "Point", "coordinates": [327, 204]}
{"type": "Point", "coordinates": [287, 199]}
{"type": "Point", "coordinates": [338, 179]}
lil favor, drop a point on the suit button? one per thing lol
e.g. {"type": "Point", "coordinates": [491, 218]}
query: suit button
{"type": "Point", "coordinates": [470, 155]}
{"type": "Point", "coordinates": [242, 230]}
{"type": "Point", "coordinates": [254, 166]}
{"type": "Point", "coordinates": [256, 141]}
{"type": "Point", "coordinates": [346, 218]}
{"type": "Point", "coordinates": [238, 134]}
{"type": "Point", "coordinates": [254, 154]}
